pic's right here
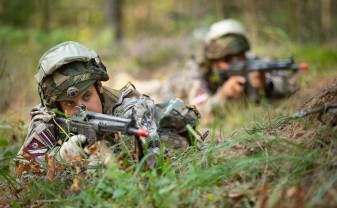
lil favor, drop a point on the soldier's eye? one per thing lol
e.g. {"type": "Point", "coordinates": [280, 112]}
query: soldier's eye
{"type": "Point", "coordinates": [70, 103]}
{"type": "Point", "coordinates": [86, 96]}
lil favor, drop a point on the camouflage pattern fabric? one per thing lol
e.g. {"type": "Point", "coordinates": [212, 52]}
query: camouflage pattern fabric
{"type": "Point", "coordinates": [142, 109]}
{"type": "Point", "coordinates": [41, 136]}
{"type": "Point", "coordinates": [78, 75]}
{"type": "Point", "coordinates": [184, 84]}
{"type": "Point", "coordinates": [279, 84]}
{"type": "Point", "coordinates": [173, 117]}
{"type": "Point", "coordinates": [228, 45]}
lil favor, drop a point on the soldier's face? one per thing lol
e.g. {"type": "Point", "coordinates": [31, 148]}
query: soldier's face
{"type": "Point", "coordinates": [256, 79]}
{"type": "Point", "coordinates": [89, 98]}
{"type": "Point", "coordinates": [223, 63]}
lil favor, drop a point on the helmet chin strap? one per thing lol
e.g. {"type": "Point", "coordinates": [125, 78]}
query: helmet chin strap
{"type": "Point", "coordinates": [97, 87]}
{"type": "Point", "coordinates": [39, 89]}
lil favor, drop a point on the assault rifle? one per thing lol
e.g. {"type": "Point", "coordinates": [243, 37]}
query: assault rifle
{"type": "Point", "coordinates": [93, 125]}
{"type": "Point", "coordinates": [243, 68]}
{"type": "Point", "coordinates": [261, 65]}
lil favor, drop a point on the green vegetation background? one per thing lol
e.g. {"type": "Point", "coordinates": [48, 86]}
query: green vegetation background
{"type": "Point", "coordinates": [160, 36]}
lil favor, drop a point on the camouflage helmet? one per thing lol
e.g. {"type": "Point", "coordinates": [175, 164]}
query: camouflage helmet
{"type": "Point", "coordinates": [66, 70]}
{"type": "Point", "coordinates": [225, 38]}
{"type": "Point", "coordinates": [229, 45]}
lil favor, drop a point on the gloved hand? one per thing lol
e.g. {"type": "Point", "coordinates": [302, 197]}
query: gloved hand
{"type": "Point", "coordinates": [41, 113]}
{"type": "Point", "coordinates": [72, 149]}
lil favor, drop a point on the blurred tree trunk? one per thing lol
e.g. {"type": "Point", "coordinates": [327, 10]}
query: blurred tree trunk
{"type": "Point", "coordinates": [325, 19]}
{"type": "Point", "coordinates": [300, 16]}
{"type": "Point", "coordinates": [114, 17]}
{"type": "Point", "coordinates": [313, 23]}
{"type": "Point", "coordinates": [148, 12]}
{"type": "Point", "coordinates": [45, 25]}
{"type": "Point", "coordinates": [219, 7]}
{"type": "Point", "coordinates": [251, 17]}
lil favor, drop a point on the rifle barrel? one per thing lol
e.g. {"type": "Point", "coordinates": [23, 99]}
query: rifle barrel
{"type": "Point", "coordinates": [259, 65]}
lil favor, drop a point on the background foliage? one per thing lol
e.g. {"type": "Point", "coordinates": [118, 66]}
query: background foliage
{"type": "Point", "coordinates": [30, 27]}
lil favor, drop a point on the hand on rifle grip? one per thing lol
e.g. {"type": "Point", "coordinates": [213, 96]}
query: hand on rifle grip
{"type": "Point", "coordinates": [233, 87]}
{"type": "Point", "coordinates": [72, 149]}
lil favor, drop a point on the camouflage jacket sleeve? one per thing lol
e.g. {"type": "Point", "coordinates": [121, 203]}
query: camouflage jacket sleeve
{"type": "Point", "coordinates": [172, 115]}
{"type": "Point", "coordinates": [41, 138]}
{"type": "Point", "coordinates": [132, 104]}
{"type": "Point", "coordinates": [184, 83]}
{"type": "Point", "coordinates": [279, 84]}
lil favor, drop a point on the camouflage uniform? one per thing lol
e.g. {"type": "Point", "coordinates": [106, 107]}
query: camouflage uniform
{"type": "Point", "coordinates": [165, 122]}
{"type": "Point", "coordinates": [195, 84]}
{"type": "Point", "coordinates": [198, 82]}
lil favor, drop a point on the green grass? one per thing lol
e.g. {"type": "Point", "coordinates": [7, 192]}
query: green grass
{"type": "Point", "coordinates": [205, 176]}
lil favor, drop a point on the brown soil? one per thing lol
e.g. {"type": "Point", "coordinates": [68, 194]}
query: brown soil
{"type": "Point", "coordinates": [321, 92]}
{"type": "Point", "coordinates": [324, 92]}
{"type": "Point", "coordinates": [317, 93]}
